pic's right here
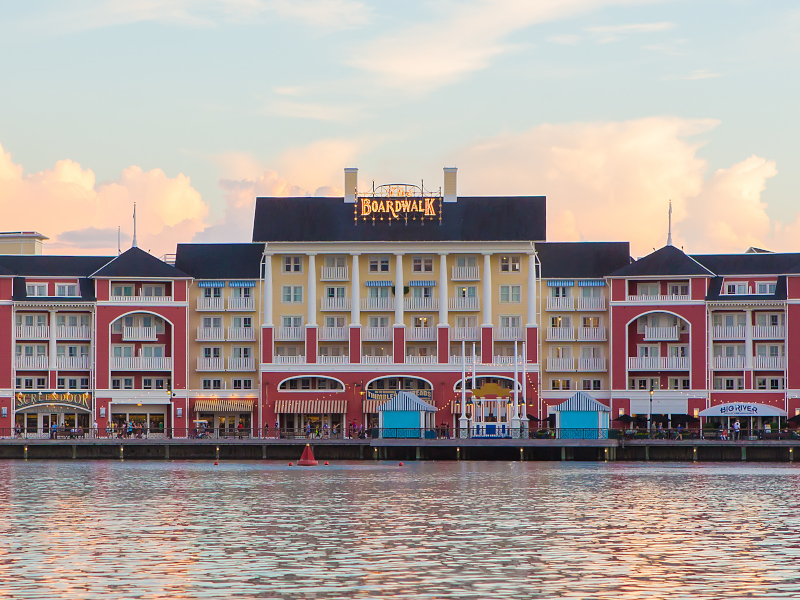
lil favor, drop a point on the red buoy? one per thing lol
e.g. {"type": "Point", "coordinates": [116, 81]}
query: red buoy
{"type": "Point", "coordinates": [291, 464]}
{"type": "Point", "coordinates": [216, 463]}
{"type": "Point", "coordinates": [326, 463]}
{"type": "Point", "coordinates": [307, 459]}
{"type": "Point", "coordinates": [400, 465]}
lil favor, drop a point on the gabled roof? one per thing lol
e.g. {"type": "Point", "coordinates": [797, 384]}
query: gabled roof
{"type": "Point", "coordinates": [590, 260]}
{"type": "Point", "coordinates": [581, 401]}
{"type": "Point", "coordinates": [220, 261]}
{"type": "Point", "coordinates": [765, 263]}
{"type": "Point", "coordinates": [42, 265]}
{"type": "Point", "coordinates": [138, 263]}
{"type": "Point", "coordinates": [406, 401]}
{"type": "Point", "coordinates": [667, 261]}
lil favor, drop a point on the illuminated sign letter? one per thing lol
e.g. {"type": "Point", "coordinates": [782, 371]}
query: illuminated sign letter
{"type": "Point", "coordinates": [366, 208]}
{"type": "Point", "coordinates": [429, 210]}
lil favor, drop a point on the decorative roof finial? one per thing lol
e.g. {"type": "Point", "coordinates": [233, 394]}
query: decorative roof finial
{"type": "Point", "coordinates": [134, 244]}
{"type": "Point", "coordinates": [669, 231]}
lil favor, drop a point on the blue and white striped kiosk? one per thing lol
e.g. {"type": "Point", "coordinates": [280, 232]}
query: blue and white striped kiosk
{"type": "Point", "coordinates": [582, 418]}
{"type": "Point", "coordinates": [406, 416]}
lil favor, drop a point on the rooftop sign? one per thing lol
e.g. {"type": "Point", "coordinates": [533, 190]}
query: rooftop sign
{"type": "Point", "coordinates": [398, 202]}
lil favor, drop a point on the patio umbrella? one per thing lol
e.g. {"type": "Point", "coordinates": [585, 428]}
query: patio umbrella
{"type": "Point", "coordinates": [625, 419]}
{"type": "Point", "coordinates": [794, 419]}
{"type": "Point", "coordinates": [658, 418]}
{"type": "Point", "coordinates": [532, 418]}
{"type": "Point", "coordinates": [684, 419]}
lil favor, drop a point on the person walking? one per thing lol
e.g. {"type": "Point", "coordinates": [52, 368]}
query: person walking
{"type": "Point", "coordinates": [736, 429]}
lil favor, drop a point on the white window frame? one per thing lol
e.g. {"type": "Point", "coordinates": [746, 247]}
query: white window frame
{"type": "Point", "coordinates": [292, 263]}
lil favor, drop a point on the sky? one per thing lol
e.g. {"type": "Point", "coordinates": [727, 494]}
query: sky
{"type": "Point", "coordinates": [192, 108]}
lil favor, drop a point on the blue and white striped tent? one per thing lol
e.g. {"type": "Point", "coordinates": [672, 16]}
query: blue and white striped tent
{"type": "Point", "coordinates": [582, 417]}
{"type": "Point", "coordinates": [406, 401]}
{"type": "Point", "coordinates": [406, 416]}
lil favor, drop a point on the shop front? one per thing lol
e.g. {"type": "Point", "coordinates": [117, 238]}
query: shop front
{"type": "Point", "coordinates": [145, 417]}
{"type": "Point", "coordinates": [223, 417]}
{"type": "Point", "coordinates": [311, 418]}
{"type": "Point", "coordinates": [374, 398]}
{"type": "Point", "coordinates": [754, 420]}
{"type": "Point", "coordinates": [37, 414]}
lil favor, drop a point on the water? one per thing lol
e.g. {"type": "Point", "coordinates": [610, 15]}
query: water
{"type": "Point", "coordinates": [73, 529]}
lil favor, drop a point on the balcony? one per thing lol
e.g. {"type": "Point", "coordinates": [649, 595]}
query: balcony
{"type": "Point", "coordinates": [466, 274]}
{"type": "Point", "coordinates": [768, 332]}
{"type": "Point", "coordinates": [560, 303]}
{"type": "Point", "coordinates": [419, 303]}
{"type": "Point", "coordinates": [73, 363]}
{"type": "Point", "coordinates": [508, 334]}
{"type": "Point", "coordinates": [210, 304]}
{"type": "Point", "coordinates": [377, 334]}
{"type": "Point", "coordinates": [457, 359]}
{"type": "Point", "coordinates": [658, 363]}
{"type": "Point", "coordinates": [33, 332]}
{"type": "Point", "coordinates": [382, 303]}
{"type": "Point", "coordinates": [210, 364]}
{"type": "Point", "coordinates": [661, 334]}
{"type": "Point", "coordinates": [335, 304]}
{"type": "Point", "coordinates": [333, 360]}
{"type": "Point", "coordinates": [459, 303]}
{"type": "Point", "coordinates": [560, 334]}
{"type": "Point", "coordinates": [32, 362]}
{"type": "Point", "coordinates": [141, 299]}
{"type": "Point", "coordinates": [242, 364]}
{"type": "Point", "coordinates": [210, 334]}
{"type": "Point", "coordinates": [592, 364]}
{"type": "Point", "coordinates": [333, 334]}
{"type": "Point", "coordinates": [242, 304]}
{"type": "Point", "coordinates": [141, 363]}
{"type": "Point", "coordinates": [290, 334]}
{"type": "Point", "coordinates": [591, 303]}
{"type": "Point", "coordinates": [560, 364]}
{"type": "Point", "coordinates": [768, 362]}
{"type": "Point", "coordinates": [376, 360]}
{"type": "Point", "coordinates": [241, 334]}
{"type": "Point", "coordinates": [734, 332]}
{"type": "Point", "coordinates": [469, 334]}
{"type": "Point", "coordinates": [421, 334]}
{"type": "Point", "coordinates": [420, 360]}
{"type": "Point", "coordinates": [591, 334]}
{"type": "Point", "coordinates": [289, 360]}
{"type": "Point", "coordinates": [73, 332]}
{"type": "Point", "coordinates": [658, 299]}
{"type": "Point", "coordinates": [335, 274]}
{"type": "Point", "coordinates": [507, 361]}
{"type": "Point", "coordinates": [728, 363]}
{"type": "Point", "coordinates": [138, 334]}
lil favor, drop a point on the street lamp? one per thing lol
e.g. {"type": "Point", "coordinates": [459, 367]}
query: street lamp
{"type": "Point", "coordinates": [650, 413]}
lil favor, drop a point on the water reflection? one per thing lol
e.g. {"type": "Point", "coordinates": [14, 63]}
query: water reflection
{"type": "Point", "coordinates": [438, 530]}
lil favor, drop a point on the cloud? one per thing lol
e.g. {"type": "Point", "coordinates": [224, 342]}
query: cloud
{"type": "Point", "coordinates": [613, 181]}
{"type": "Point", "coordinates": [632, 28]}
{"type": "Point", "coordinates": [565, 39]}
{"type": "Point", "coordinates": [92, 237]}
{"type": "Point", "coordinates": [312, 110]}
{"type": "Point", "coordinates": [699, 74]}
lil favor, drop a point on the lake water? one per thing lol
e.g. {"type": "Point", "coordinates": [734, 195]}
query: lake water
{"type": "Point", "coordinates": [73, 529]}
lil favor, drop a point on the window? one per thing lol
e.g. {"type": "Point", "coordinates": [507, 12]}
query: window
{"type": "Point", "coordinates": [769, 383]}
{"type": "Point", "coordinates": [676, 383]}
{"type": "Point", "coordinates": [510, 321]}
{"type": "Point", "coordinates": [648, 351]}
{"type": "Point", "coordinates": [560, 384]}
{"type": "Point", "coordinates": [162, 384]}
{"type": "Point", "coordinates": [648, 289]}
{"type": "Point", "coordinates": [122, 290]}
{"type": "Point", "coordinates": [292, 294]}
{"type": "Point", "coordinates": [558, 291]}
{"type": "Point", "coordinates": [212, 292]}
{"type": "Point", "coordinates": [509, 264]}
{"type": "Point", "coordinates": [763, 287]}
{"type": "Point", "coordinates": [153, 290]}
{"type": "Point", "coordinates": [242, 352]}
{"type": "Point", "coordinates": [147, 383]}
{"type": "Point", "coordinates": [422, 292]}
{"type": "Point", "coordinates": [292, 321]}
{"type": "Point", "coordinates": [590, 322]}
{"type": "Point", "coordinates": [679, 289]}
{"type": "Point", "coordinates": [66, 290]}
{"type": "Point", "coordinates": [212, 384]}
{"type": "Point", "coordinates": [769, 320]}
{"type": "Point", "coordinates": [153, 351]}
{"type": "Point", "coordinates": [466, 261]}
{"type": "Point", "coordinates": [242, 322]}
{"type": "Point", "coordinates": [381, 291]}
{"type": "Point", "coordinates": [591, 384]}
{"type": "Point", "coordinates": [212, 352]}
{"type": "Point", "coordinates": [728, 350]}
{"type": "Point", "coordinates": [466, 321]}
{"type": "Point", "coordinates": [212, 322]}
{"type": "Point", "coordinates": [36, 289]}
{"type": "Point", "coordinates": [736, 288]}
{"type": "Point", "coordinates": [729, 320]}
{"type": "Point", "coordinates": [509, 293]}
{"type": "Point", "coordinates": [335, 322]}
{"type": "Point", "coordinates": [591, 352]}
{"type": "Point", "coordinates": [378, 264]}
{"type": "Point", "coordinates": [292, 264]}
{"type": "Point", "coordinates": [422, 264]}
{"type": "Point", "coordinates": [41, 383]}
{"type": "Point", "coordinates": [335, 291]}
{"type": "Point", "coordinates": [128, 383]}
{"type": "Point", "coordinates": [467, 291]}
{"type": "Point", "coordinates": [241, 292]}
{"type": "Point", "coordinates": [560, 321]}
{"type": "Point", "coordinates": [591, 292]}
{"type": "Point", "coordinates": [772, 350]}
{"type": "Point", "coordinates": [678, 351]}
{"type": "Point", "coordinates": [116, 384]}
{"type": "Point", "coordinates": [728, 383]}
{"type": "Point", "coordinates": [243, 384]}
{"type": "Point", "coordinates": [379, 321]}
{"type": "Point", "coordinates": [61, 383]}
{"type": "Point", "coordinates": [644, 384]}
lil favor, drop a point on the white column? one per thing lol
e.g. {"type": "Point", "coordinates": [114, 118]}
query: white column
{"type": "Point", "coordinates": [53, 349]}
{"type": "Point", "coordinates": [267, 289]}
{"type": "Point", "coordinates": [463, 422]}
{"type": "Point", "coordinates": [748, 340]}
{"type": "Point", "coordinates": [355, 293]}
{"type": "Point", "coordinates": [443, 288]}
{"type": "Point", "coordinates": [312, 290]}
{"type": "Point", "coordinates": [487, 289]}
{"type": "Point", "coordinates": [398, 289]}
{"type": "Point", "coordinates": [515, 418]}
{"type": "Point", "coordinates": [531, 290]}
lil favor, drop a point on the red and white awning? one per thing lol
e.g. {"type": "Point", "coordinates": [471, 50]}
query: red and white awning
{"type": "Point", "coordinates": [223, 405]}
{"type": "Point", "coordinates": [310, 407]}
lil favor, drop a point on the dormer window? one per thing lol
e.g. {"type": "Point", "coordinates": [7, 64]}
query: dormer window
{"type": "Point", "coordinates": [765, 287]}
{"type": "Point", "coordinates": [736, 289]}
{"type": "Point", "coordinates": [36, 289]}
{"type": "Point", "coordinates": [69, 289]}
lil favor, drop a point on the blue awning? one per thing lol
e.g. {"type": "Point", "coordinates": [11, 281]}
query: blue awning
{"type": "Point", "coordinates": [592, 283]}
{"type": "Point", "coordinates": [421, 283]}
{"type": "Point", "coordinates": [560, 283]}
{"type": "Point", "coordinates": [210, 284]}
{"type": "Point", "coordinates": [582, 402]}
{"type": "Point", "coordinates": [240, 284]}
{"type": "Point", "coordinates": [379, 283]}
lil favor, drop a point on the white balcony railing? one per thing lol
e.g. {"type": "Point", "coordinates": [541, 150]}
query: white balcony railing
{"type": "Point", "coordinates": [768, 332]}
{"type": "Point", "coordinates": [210, 334]}
{"type": "Point", "coordinates": [560, 334]}
{"type": "Point", "coordinates": [289, 360]}
{"type": "Point", "coordinates": [560, 303]}
{"type": "Point", "coordinates": [507, 334]}
{"type": "Point", "coordinates": [73, 332]}
{"type": "Point", "coordinates": [734, 332]}
{"type": "Point", "coordinates": [457, 359]}
{"type": "Point", "coordinates": [141, 299]}
{"type": "Point", "coordinates": [210, 303]}
{"type": "Point", "coordinates": [418, 303]}
{"type": "Point", "coordinates": [333, 360]}
{"type": "Point", "coordinates": [768, 362]}
{"type": "Point", "coordinates": [459, 303]}
{"type": "Point", "coordinates": [560, 364]}
{"type": "Point", "coordinates": [333, 334]}
{"type": "Point", "coordinates": [377, 334]}
{"type": "Point", "coordinates": [505, 361]}
{"type": "Point", "coordinates": [420, 360]}
{"type": "Point", "coordinates": [138, 334]}
{"type": "Point", "coordinates": [141, 363]}
{"type": "Point", "coordinates": [728, 362]}
{"type": "Point", "coordinates": [242, 303]}
{"type": "Point", "coordinates": [469, 334]}
{"type": "Point", "coordinates": [591, 303]}
{"type": "Point", "coordinates": [335, 274]}
{"type": "Point", "coordinates": [658, 363]}
{"type": "Point", "coordinates": [33, 332]}
{"type": "Point", "coordinates": [382, 303]}
{"type": "Point", "coordinates": [376, 360]}
{"type": "Point", "coordinates": [241, 334]}
{"type": "Point", "coordinates": [592, 364]}
{"type": "Point", "coordinates": [592, 334]}
{"type": "Point", "coordinates": [72, 363]}
{"type": "Point", "coordinates": [210, 364]}
{"type": "Point", "coordinates": [466, 274]}
{"type": "Point", "coordinates": [335, 304]}
{"type": "Point", "coordinates": [242, 364]}
{"type": "Point", "coordinates": [421, 334]}
{"type": "Point", "coordinates": [32, 362]}
{"type": "Point", "coordinates": [661, 334]}
{"type": "Point", "coordinates": [658, 298]}
{"type": "Point", "coordinates": [290, 334]}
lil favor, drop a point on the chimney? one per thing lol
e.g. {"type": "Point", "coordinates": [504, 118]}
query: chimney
{"type": "Point", "coordinates": [350, 184]}
{"type": "Point", "coordinates": [450, 184]}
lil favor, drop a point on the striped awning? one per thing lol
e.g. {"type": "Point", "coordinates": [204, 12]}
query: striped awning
{"type": "Point", "coordinates": [406, 402]}
{"type": "Point", "coordinates": [370, 406]}
{"type": "Point", "coordinates": [422, 283]}
{"type": "Point", "coordinates": [240, 284]}
{"type": "Point", "coordinates": [379, 283]}
{"type": "Point", "coordinates": [560, 283]}
{"type": "Point", "coordinates": [582, 402]}
{"type": "Point", "coordinates": [592, 283]}
{"type": "Point", "coordinates": [310, 407]}
{"type": "Point", "coordinates": [224, 405]}
{"type": "Point", "coordinates": [210, 284]}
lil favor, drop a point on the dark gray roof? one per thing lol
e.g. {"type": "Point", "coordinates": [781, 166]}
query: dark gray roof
{"type": "Point", "coordinates": [85, 284]}
{"type": "Point", "coordinates": [220, 261]}
{"type": "Point", "coordinates": [138, 263]}
{"type": "Point", "coordinates": [591, 260]}
{"type": "Point", "coordinates": [715, 291]}
{"type": "Point", "coordinates": [42, 265]}
{"type": "Point", "coordinates": [766, 263]}
{"type": "Point", "coordinates": [667, 261]}
{"type": "Point", "coordinates": [315, 219]}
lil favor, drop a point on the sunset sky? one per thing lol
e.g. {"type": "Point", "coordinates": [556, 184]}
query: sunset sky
{"type": "Point", "coordinates": [191, 108]}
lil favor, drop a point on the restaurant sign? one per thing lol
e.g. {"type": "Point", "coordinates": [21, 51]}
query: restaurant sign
{"type": "Point", "coordinates": [386, 395]}
{"type": "Point", "coordinates": [743, 409]}
{"type": "Point", "coordinates": [78, 399]}
{"type": "Point", "coordinates": [399, 203]}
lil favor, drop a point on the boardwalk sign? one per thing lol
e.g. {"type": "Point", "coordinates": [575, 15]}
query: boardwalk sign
{"type": "Point", "coordinates": [743, 409]}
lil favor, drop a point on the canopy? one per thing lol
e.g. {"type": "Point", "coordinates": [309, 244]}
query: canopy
{"type": "Point", "coordinates": [743, 409]}
{"type": "Point", "coordinates": [625, 419]}
{"type": "Point", "coordinates": [583, 402]}
{"type": "Point", "coordinates": [224, 405]}
{"type": "Point", "coordinates": [406, 401]}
